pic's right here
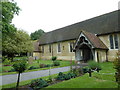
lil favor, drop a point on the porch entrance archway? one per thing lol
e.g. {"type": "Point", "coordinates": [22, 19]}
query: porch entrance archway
{"type": "Point", "coordinates": [86, 53]}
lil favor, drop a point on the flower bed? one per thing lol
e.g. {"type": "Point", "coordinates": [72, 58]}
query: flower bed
{"type": "Point", "coordinates": [75, 72]}
{"type": "Point", "coordinates": [40, 83]}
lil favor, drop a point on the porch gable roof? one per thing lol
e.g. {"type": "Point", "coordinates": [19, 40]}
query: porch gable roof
{"type": "Point", "coordinates": [93, 39]}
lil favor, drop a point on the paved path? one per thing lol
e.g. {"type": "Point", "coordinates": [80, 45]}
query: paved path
{"type": "Point", "coordinates": [7, 79]}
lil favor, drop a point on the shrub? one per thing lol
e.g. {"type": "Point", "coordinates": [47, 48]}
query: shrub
{"type": "Point", "coordinates": [49, 80]}
{"type": "Point", "coordinates": [67, 77]}
{"type": "Point", "coordinates": [38, 84]}
{"type": "Point", "coordinates": [61, 76]}
{"type": "Point", "coordinates": [42, 65]}
{"type": "Point", "coordinates": [20, 67]}
{"type": "Point", "coordinates": [94, 65]}
{"type": "Point", "coordinates": [85, 69]}
{"type": "Point", "coordinates": [33, 67]}
{"type": "Point", "coordinates": [48, 65]}
{"type": "Point", "coordinates": [117, 67]}
{"type": "Point", "coordinates": [77, 71]}
{"type": "Point", "coordinates": [56, 63]}
{"type": "Point", "coordinates": [7, 62]}
{"type": "Point", "coordinates": [54, 58]}
{"type": "Point", "coordinates": [72, 75]}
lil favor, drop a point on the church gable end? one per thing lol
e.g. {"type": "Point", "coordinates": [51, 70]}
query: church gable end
{"type": "Point", "coordinates": [91, 40]}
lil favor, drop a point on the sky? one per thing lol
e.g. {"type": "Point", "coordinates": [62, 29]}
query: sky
{"type": "Point", "coordinates": [49, 15]}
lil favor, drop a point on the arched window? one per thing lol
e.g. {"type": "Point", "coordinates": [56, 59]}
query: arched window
{"type": "Point", "coordinates": [116, 41]}
{"type": "Point", "coordinates": [42, 49]}
{"type": "Point", "coordinates": [50, 48]}
{"type": "Point", "coordinates": [71, 45]}
{"type": "Point", "coordinates": [59, 47]}
{"type": "Point", "coordinates": [113, 41]}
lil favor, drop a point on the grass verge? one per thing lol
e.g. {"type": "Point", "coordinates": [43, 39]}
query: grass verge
{"type": "Point", "coordinates": [104, 79]}
{"type": "Point", "coordinates": [62, 64]}
{"type": "Point", "coordinates": [85, 82]}
{"type": "Point", "coordinates": [23, 83]}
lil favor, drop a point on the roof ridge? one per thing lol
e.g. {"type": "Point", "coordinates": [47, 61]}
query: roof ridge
{"type": "Point", "coordinates": [82, 21]}
{"type": "Point", "coordinates": [106, 23]}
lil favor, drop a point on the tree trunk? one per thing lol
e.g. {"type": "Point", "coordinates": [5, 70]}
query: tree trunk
{"type": "Point", "coordinates": [18, 81]}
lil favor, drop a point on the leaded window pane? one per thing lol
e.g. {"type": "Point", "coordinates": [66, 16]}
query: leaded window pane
{"type": "Point", "coordinates": [111, 42]}
{"type": "Point", "coordinates": [42, 49]}
{"type": "Point", "coordinates": [71, 46]}
{"type": "Point", "coordinates": [50, 48]}
{"type": "Point", "coordinates": [59, 47]}
{"type": "Point", "coordinates": [116, 41]}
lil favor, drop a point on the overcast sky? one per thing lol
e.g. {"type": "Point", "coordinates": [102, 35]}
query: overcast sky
{"type": "Point", "coordinates": [49, 15]}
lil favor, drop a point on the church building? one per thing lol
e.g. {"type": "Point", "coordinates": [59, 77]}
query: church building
{"type": "Point", "coordinates": [96, 39]}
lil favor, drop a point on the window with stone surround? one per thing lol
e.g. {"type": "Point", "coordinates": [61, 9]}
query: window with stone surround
{"type": "Point", "coordinates": [42, 49]}
{"type": "Point", "coordinates": [71, 45]}
{"type": "Point", "coordinates": [59, 47]}
{"type": "Point", "coordinates": [49, 48]}
{"type": "Point", "coordinates": [113, 41]}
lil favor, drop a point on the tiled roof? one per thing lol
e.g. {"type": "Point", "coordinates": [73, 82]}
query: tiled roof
{"type": "Point", "coordinates": [96, 42]}
{"type": "Point", "coordinates": [104, 24]}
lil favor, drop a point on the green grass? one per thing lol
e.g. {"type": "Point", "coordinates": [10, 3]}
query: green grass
{"type": "Point", "coordinates": [62, 62]}
{"type": "Point", "coordinates": [35, 63]}
{"type": "Point", "coordinates": [104, 79]}
{"type": "Point", "coordinates": [85, 82]}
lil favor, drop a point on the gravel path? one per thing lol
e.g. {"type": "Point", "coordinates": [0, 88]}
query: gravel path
{"type": "Point", "coordinates": [7, 79]}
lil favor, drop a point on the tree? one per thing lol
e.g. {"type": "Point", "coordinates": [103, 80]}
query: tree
{"type": "Point", "coordinates": [20, 67]}
{"type": "Point", "coordinates": [36, 35]}
{"type": "Point", "coordinates": [8, 9]}
{"type": "Point", "coordinates": [23, 42]}
{"type": "Point", "coordinates": [19, 43]}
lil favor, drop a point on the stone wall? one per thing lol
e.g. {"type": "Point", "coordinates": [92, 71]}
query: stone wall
{"type": "Point", "coordinates": [111, 52]}
{"type": "Point", "coordinates": [100, 55]}
{"type": "Point", "coordinates": [65, 53]}
{"type": "Point", "coordinates": [36, 55]}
